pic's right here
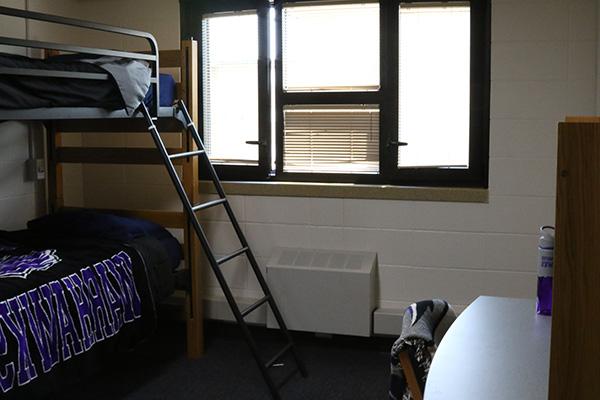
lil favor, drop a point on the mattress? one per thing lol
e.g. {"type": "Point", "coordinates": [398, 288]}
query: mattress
{"type": "Point", "coordinates": [128, 84]}
{"type": "Point", "coordinates": [64, 301]}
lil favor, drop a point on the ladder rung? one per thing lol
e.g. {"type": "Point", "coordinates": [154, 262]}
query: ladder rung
{"type": "Point", "coordinates": [278, 355]}
{"type": "Point", "coordinates": [186, 154]}
{"type": "Point", "coordinates": [208, 204]}
{"type": "Point", "coordinates": [232, 255]}
{"type": "Point", "coordinates": [255, 306]}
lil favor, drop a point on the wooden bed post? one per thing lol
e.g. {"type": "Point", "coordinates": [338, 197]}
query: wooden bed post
{"type": "Point", "coordinates": [194, 301]}
{"type": "Point", "coordinates": [54, 170]}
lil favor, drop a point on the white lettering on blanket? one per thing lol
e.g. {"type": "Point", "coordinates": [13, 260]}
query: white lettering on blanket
{"type": "Point", "coordinates": [103, 297]}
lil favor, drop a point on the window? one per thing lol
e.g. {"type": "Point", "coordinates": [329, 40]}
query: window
{"type": "Point", "coordinates": [329, 49]}
{"type": "Point", "coordinates": [383, 92]}
{"type": "Point", "coordinates": [230, 87]}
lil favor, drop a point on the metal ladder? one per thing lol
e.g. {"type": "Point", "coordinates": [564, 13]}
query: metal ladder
{"type": "Point", "coordinates": [216, 263]}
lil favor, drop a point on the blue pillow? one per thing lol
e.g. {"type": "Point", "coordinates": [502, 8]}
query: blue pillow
{"type": "Point", "coordinates": [89, 223]}
{"type": "Point", "coordinates": [167, 88]}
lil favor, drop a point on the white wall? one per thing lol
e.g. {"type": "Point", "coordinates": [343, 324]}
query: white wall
{"type": "Point", "coordinates": [543, 68]}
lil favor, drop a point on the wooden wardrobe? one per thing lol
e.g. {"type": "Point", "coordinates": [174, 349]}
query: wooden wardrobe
{"type": "Point", "coordinates": [575, 344]}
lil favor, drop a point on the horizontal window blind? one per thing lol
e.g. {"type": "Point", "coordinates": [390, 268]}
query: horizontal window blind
{"type": "Point", "coordinates": [331, 138]}
{"type": "Point", "coordinates": [330, 47]}
{"type": "Point", "coordinates": [230, 86]}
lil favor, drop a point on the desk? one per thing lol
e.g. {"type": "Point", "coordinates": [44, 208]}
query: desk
{"type": "Point", "coordinates": [497, 349]}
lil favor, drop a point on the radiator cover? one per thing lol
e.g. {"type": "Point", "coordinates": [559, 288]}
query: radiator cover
{"type": "Point", "coordinates": [324, 291]}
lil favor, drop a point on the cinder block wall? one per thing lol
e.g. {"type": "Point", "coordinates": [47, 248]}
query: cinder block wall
{"type": "Point", "coordinates": [22, 199]}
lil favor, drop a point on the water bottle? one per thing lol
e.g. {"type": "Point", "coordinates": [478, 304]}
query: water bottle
{"type": "Point", "coordinates": [545, 270]}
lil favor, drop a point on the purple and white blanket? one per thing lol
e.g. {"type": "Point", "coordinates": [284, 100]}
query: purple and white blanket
{"type": "Point", "coordinates": [61, 302]}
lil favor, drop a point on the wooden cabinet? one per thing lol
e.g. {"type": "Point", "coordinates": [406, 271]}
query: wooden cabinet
{"type": "Point", "coordinates": [575, 343]}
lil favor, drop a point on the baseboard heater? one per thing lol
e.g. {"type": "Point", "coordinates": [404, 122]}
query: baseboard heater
{"type": "Point", "coordinates": [324, 291]}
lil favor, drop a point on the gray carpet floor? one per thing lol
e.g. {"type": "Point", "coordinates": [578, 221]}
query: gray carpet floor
{"type": "Point", "coordinates": [340, 368]}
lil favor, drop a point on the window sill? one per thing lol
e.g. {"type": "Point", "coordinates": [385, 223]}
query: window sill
{"type": "Point", "coordinates": [350, 191]}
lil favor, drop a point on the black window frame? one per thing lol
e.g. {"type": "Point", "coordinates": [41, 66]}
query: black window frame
{"type": "Point", "coordinates": [386, 97]}
{"type": "Point", "coordinates": [191, 23]}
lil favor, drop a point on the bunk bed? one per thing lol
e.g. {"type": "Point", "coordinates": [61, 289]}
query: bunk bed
{"type": "Point", "coordinates": [90, 116]}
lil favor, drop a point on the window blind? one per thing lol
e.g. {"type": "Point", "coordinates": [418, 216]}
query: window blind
{"type": "Point", "coordinates": [331, 46]}
{"type": "Point", "coordinates": [230, 86]}
{"type": "Point", "coordinates": [331, 138]}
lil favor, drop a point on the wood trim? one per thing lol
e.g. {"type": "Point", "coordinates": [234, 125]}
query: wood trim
{"type": "Point", "coordinates": [50, 53]}
{"type": "Point", "coordinates": [574, 119]}
{"type": "Point", "coordinates": [189, 77]}
{"type": "Point", "coordinates": [55, 183]}
{"type": "Point", "coordinates": [59, 200]}
{"type": "Point", "coordinates": [179, 90]}
{"type": "Point", "coordinates": [194, 303]}
{"type": "Point", "coordinates": [112, 155]}
{"type": "Point", "coordinates": [55, 170]}
{"type": "Point", "coordinates": [411, 377]}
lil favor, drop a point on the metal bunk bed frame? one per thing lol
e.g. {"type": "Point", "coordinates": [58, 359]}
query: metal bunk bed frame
{"type": "Point", "coordinates": [59, 113]}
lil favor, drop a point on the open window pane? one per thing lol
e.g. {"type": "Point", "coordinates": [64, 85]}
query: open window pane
{"type": "Point", "coordinates": [434, 86]}
{"type": "Point", "coordinates": [230, 87]}
{"type": "Point", "coordinates": [331, 47]}
{"type": "Point", "coordinates": [331, 138]}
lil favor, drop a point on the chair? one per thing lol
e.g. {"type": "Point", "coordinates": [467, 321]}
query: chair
{"type": "Point", "coordinates": [424, 324]}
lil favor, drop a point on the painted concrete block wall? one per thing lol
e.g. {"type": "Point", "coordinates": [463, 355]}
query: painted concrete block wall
{"type": "Point", "coordinates": [17, 197]}
{"type": "Point", "coordinates": [20, 199]}
{"type": "Point", "coordinates": [544, 62]}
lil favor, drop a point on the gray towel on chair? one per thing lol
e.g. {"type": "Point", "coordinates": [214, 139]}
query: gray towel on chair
{"type": "Point", "coordinates": [428, 320]}
{"type": "Point", "coordinates": [423, 326]}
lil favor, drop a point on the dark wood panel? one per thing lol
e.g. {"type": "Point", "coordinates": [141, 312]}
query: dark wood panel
{"type": "Point", "coordinates": [164, 124]}
{"type": "Point", "coordinates": [170, 58]}
{"type": "Point", "coordinates": [110, 155]}
{"type": "Point", "coordinates": [575, 347]}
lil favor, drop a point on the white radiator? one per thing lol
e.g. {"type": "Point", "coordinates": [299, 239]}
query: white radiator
{"type": "Point", "coordinates": [324, 291]}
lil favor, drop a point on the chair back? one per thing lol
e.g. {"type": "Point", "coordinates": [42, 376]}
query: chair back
{"type": "Point", "coordinates": [424, 324]}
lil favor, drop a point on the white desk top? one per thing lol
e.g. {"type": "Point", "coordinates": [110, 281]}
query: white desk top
{"type": "Point", "coordinates": [497, 349]}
